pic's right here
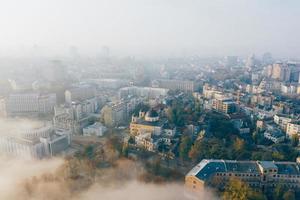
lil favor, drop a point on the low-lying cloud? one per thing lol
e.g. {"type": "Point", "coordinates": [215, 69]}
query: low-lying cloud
{"type": "Point", "coordinates": [15, 174]}
{"type": "Point", "coordinates": [14, 171]}
{"type": "Point", "coordinates": [16, 126]}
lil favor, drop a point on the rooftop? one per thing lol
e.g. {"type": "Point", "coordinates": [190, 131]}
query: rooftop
{"type": "Point", "coordinates": [159, 123]}
{"type": "Point", "coordinates": [267, 164]}
{"type": "Point", "coordinates": [207, 168]}
{"type": "Point", "coordinates": [292, 168]}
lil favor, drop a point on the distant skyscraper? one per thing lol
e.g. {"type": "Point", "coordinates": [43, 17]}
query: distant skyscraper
{"type": "Point", "coordinates": [73, 51]}
{"type": "Point", "coordinates": [250, 62]}
{"type": "Point", "coordinates": [55, 71]}
{"type": "Point", "coordinates": [281, 71]}
{"type": "Point", "coordinates": [295, 71]}
{"type": "Point", "coordinates": [105, 51]}
{"type": "Point", "coordinates": [231, 61]}
{"type": "Point", "coordinates": [267, 58]}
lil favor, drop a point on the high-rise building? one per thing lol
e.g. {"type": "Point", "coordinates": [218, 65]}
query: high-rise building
{"type": "Point", "coordinates": [114, 114]}
{"type": "Point", "coordinates": [223, 104]}
{"type": "Point", "coordinates": [35, 143]}
{"type": "Point", "coordinates": [75, 116]}
{"type": "Point", "coordinates": [171, 84]}
{"type": "Point", "coordinates": [281, 71]}
{"type": "Point", "coordinates": [295, 71]}
{"type": "Point", "coordinates": [30, 103]}
{"type": "Point", "coordinates": [267, 58]}
{"type": "Point", "coordinates": [231, 61]}
{"type": "Point", "coordinates": [80, 93]}
{"type": "Point", "coordinates": [293, 128]}
{"type": "Point", "coordinates": [251, 62]}
{"type": "Point", "coordinates": [146, 92]}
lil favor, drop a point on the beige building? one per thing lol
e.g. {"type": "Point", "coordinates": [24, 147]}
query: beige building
{"type": "Point", "coordinates": [114, 114]}
{"type": "Point", "coordinates": [211, 92]}
{"type": "Point", "coordinates": [293, 128]}
{"type": "Point", "coordinates": [282, 120]}
{"type": "Point", "coordinates": [262, 175]}
{"type": "Point", "coordinates": [148, 122]}
{"type": "Point", "coordinates": [224, 105]}
{"type": "Point", "coordinates": [281, 72]}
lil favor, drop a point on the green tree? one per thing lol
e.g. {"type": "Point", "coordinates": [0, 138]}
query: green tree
{"type": "Point", "coordinates": [238, 190]}
{"type": "Point", "coordinates": [289, 195]}
{"type": "Point", "coordinates": [239, 145]}
{"type": "Point", "coordinates": [115, 143]}
{"type": "Point", "coordinates": [89, 152]}
{"type": "Point", "coordinates": [131, 140]}
{"type": "Point", "coordinates": [185, 147]}
{"type": "Point", "coordinates": [277, 156]}
{"type": "Point", "coordinates": [194, 152]}
{"type": "Point", "coordinates": [295, 140]}
{"type": "Point", "coordinates": [125, 150]}
{"type": "Point", "coordinates": [278, 192]}
{"type": "Point", "coordinates": [175, 114]}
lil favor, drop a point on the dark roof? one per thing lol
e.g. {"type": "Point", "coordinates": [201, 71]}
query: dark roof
{"type": "Point", "coordinates": [210, 169]}
{"type": "Point", "coordinates": [207, 168]}
{"type": "Point", "coordinates": [243, 167]}
{"type": "Point", "coordinates": [152, 113]}
{"type": "Point", "coordinates": [288, 169]}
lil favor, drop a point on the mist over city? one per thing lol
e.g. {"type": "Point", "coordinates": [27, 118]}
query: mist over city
{"type": "Point", "coordinates": [149, 99]}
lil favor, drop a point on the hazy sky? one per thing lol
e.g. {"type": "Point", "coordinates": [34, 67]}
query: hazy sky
{"type": "Point", "coordinates": [153, 26]}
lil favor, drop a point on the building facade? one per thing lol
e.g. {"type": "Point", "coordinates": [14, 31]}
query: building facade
{"type": "Point", "coordinates": [35, 144]}
{"type": "Point", "coordinates": [261, 175]}
{"type": "Point", "coordinates": [172, 84]}
{"type": "Point", "coordinates": [224, 105]}
{"type": "Point", "coordinates": [29, 103]}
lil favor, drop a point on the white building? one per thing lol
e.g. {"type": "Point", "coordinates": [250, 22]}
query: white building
{"type": "Point", "coordinates": [275, 135]}
{"type": "Point", "coordinates": [38, 144]}
{"type": "Point", "coordinates": [146, 92]}
{"type": "Point", "coordinates": [145, 140]}
{"type": "Point", "coordinates": [210, 92]}
{"type": "Point", "coordinates": [96, 129]}
{"type": "Point", "coordinates": [173, 84]}
{"type": "Point", "coordinates": [282, 121]}
{"type": "Point", "coordinates": [30, 103]}
{"type": "Point", "coordinates": [289, 89]}
{"type": "Point", "coordinates": [79, 93]}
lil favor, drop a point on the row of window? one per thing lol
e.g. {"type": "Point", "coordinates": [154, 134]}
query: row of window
{"type": "Point", "coordinates": [258, 175]}
{"type": "Point", "coordinates": [286, 176]}
{"type": "Point", "coordinates": [270, 170]}
{"type": "Point", "coordinates": [242, 175]}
